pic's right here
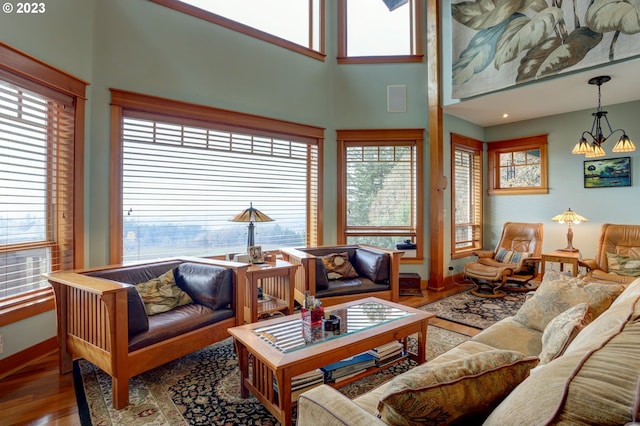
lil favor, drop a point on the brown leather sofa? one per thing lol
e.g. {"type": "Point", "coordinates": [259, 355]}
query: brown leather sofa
{"type": "Point", "coordinates": [623, 240]}
{"type": "Point", "coordinates": [101, 316]}
{"type": "Point", "coordinates": [378, 273]}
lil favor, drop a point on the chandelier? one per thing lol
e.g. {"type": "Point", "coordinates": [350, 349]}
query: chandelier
{"type": "Point", "coordinates": [593, 148]}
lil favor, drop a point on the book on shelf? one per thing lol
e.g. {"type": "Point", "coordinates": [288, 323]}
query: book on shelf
{"type": "Point", "coordinates": [387, 348]}
{"type": "Point", "coordinates": [348, 366]}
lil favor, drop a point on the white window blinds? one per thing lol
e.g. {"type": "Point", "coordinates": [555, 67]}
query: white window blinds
{"type": "Point", "coordinates": [36, 184]}
{"type": "Point", "coordinates": [467, 198]}
{"type": "Point", "coordinates": [183, 181]}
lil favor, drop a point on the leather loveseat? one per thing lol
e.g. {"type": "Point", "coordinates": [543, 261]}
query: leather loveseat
{"type": "Point", "coordinates": [102, 317]}
{"type": "Point", "coordinates": [375, 272]}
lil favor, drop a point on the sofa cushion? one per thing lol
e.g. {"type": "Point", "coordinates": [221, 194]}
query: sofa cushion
{"type": "Point", "coordinates": [511, 335]}
{"type": "Point", "coordinates": [623, 265]}
{"type": "Point", "coordinates": [161, 294]}
{"type": "Point", "coordinates": [208, 285]}
{"type": "Point", "coordinates": [594, 384]}
{"type": "Point", "coordinates": [136, 312]}
{"type": "Point", "coordinates": [561, 330]}
{"type": "Point", "coordinates": [338, 266]}
{"type": "Point", "coordinates": [372, 264]}
{"type": "Point", "coordinates": [558, 292]}
{"type": "Point", "coordinates": [459, 390]}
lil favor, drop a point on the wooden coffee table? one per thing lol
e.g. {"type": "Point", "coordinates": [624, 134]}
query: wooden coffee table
{"type": "Point", "coordinates": [365, 324]}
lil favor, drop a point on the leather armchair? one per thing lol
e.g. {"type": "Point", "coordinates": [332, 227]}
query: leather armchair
{"type": "Point", "coordinates": [515, 258]}
{"type": "Point", "coordinates": [623, 240]}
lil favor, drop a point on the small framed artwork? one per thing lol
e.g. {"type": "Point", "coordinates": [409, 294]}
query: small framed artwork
{"type": "Point", "coordinates": [609, 172]}
{"type": "Point", "coordinates": [255, 254]}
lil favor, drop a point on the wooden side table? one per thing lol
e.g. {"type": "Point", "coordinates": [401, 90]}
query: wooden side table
{"type": "Point", "coordinates": [277, 281]}
{"type": "Point", "coordinates": [562, 257]}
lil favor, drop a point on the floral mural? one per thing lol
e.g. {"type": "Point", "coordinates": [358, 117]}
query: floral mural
{"type": "Point", "coordinates": [501, 43]}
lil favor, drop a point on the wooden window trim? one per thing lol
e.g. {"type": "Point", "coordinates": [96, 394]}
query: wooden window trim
{"type": "Point", "coordinates": [513, 145]}
{"type": "Point", "coordinates": [183, 112]}
{"type": "Point", "coordinates": [472, 145]}
{"type": "Point", "coordinates": [374, 137]}
{"type": "Point", "coordinates": [344, 58]}
{"type": "Point", "coordinates": [250, 31]}
{"type": "Point", "coordinates": [28, 304]}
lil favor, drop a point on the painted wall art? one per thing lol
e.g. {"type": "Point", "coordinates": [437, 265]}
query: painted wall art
{"type": "Point", "coordinates": [502, 43]}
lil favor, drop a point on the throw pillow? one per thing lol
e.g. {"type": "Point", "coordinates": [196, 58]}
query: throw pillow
{"type": "Point", "coordinates": [453, 391]}
{"type": "Point", "coordinates": [338, 266]}
{"type": "Point", "coordinates": [623, 265]}
{"type": "Point", "coordinates": [562, 330]}
{"type": "Point", "coordinates": [559, 292]}
{"type": "Point", "coordinates": [162, 294]}
{"type": "Point", "coordinates": [508, 256]}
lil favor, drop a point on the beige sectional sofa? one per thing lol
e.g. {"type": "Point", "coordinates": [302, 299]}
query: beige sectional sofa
{"type": "Point", "coordinates": [571, 355]}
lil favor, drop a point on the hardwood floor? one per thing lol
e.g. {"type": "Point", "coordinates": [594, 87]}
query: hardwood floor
{"type": "Point", "coordinates": [39, 395]}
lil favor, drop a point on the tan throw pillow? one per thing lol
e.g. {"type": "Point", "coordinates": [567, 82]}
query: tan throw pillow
{"type": "Point", "coordinates": [161, 294]}
{"type": "Point", "coordinates": [623, 265]}
{"type": "Point", "coordinates": [338, 266]}
{"type": "Point", "coordinates": [453, 391]}
{"type": "Point", "coordinates": [559, 292]}
{"type": "Point", "coordinates": [562, 330]}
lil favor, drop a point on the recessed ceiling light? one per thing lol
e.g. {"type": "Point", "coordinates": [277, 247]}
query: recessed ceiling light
{"type": "Point", "coordinates": [505, 115]}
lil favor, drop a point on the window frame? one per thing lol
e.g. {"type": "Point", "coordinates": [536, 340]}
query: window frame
{"type": "Point", "coordinates": [475, 148]}
{"type": "Point", "coordinates": [381, 137]}
{"type": "Point", "coordinates": [537, 142]}
{"type": "Point", "coordinates": [251, 31]}
{"type": "Point", "coordinates": [39, 74]}
{"type": "Point", "coordinates": [416, 42]}
{"type": "Point", "coordinates": [187, 113]}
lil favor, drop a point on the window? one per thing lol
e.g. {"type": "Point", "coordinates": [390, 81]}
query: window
{"type": "Point", "coordinates": [518, 166]}
{"type": "Point", "coordinates": [183, 179]}
{"type": "Point", "coordinates": [380, 187]}
{"type": "Point", "coordinates": [41, 130]}
{"type": "Point", "coordinates": [371, 31]}
{"type": "Point", "coordinates": [297, 25]}
{"type": "Point", "coordinates": [466, 196]}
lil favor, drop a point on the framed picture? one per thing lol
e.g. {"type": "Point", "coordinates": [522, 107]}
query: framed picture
{"type": "Point", "coordinates": [607, 172]}
{"type": "Point", "coordinates": [255, 254]}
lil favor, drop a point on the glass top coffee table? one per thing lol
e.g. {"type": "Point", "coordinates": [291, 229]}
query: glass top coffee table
{"type": "Point", "coordinates": [285, 347]}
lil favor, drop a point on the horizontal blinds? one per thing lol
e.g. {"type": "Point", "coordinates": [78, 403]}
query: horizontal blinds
{"type": "Point", "coordinates": [183, 183]}
{"type": "Point", "coordinates": [381, 192]}
{"type": "Point", "coordinates": [36, 184]}
{"type": "Point", "coordinates": [467, 194]}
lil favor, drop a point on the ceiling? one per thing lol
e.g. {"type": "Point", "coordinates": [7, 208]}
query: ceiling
{"type": "Point", "coordinates": [562, 94]}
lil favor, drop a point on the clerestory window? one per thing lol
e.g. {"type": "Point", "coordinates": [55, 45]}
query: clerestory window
{"type": "Point", "coordinates": [297, 25]}
{"type": "Point", "coordinates": [372, 31]}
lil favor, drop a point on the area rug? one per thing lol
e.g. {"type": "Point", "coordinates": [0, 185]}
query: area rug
{"type": "Point", "coordinates": [465, 308]}
{"type": "Point", "coordinates": [203, 388]}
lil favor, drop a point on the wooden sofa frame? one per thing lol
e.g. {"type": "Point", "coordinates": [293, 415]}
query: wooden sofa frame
{"type": "Point", "coordinates": [93, 324]}
{"type": "Point", "coordinates": [306, 274]}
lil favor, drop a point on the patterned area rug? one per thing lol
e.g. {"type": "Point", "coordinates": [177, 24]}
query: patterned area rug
{"type": "Point", "coordinates": [203, 388]}
{"type": "Point", "coordinates": [474, 311]}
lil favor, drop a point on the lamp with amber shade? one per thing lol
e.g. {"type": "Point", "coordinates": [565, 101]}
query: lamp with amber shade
{"type": "Point", "coordinates": [251, 215]}
{"type": "Point", "coordinates": [569, 217]}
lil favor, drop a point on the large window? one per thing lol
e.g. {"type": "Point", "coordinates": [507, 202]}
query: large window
{"type": "Point", "coordinates": [40, 174]}
{"type": "Point", "coordinates": [380, 187]}
{"type": "Point", "coordinates": [184, 176]}
{"type": "Point", "coordinates": [372, 31]}
{"type": "Point", "coordinates": [466, 195]}
{"type": "Point", "coordinates": [297, 25]}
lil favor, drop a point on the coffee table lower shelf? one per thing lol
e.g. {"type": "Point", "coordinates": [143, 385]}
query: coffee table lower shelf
{"type": "Point", "coordinates": [262, 365]}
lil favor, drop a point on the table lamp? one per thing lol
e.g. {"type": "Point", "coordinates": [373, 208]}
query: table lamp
{"type": "Point", "coordinates": [251, 215]}
{"type": "Point", "coordinates": [569, 217]}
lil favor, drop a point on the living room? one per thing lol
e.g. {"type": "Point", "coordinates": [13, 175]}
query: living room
{"type": "Point", "coordinates": [126, 45]}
